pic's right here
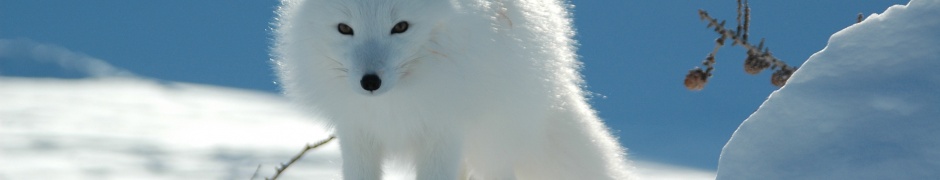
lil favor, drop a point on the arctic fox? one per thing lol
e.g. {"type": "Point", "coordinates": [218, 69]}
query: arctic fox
{"type": "Point", "coordinates": [460, 89]}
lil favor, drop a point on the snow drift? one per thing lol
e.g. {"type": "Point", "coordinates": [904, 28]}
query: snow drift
{"type": "Point", "coordinates": [41, 53]}
{"type": "Point", "coordinates": [123, 128]}
{"type": "Point", "coordinates": [128, 128]}
{"type": "Point", "coordinates": [865, 107]}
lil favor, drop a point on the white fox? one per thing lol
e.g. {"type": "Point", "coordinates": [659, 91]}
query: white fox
{"type": "Point", "coordinates": [460, 89]}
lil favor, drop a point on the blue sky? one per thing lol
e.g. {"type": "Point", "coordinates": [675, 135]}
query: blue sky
{"type": "Point", "coordinates": [636, 54]}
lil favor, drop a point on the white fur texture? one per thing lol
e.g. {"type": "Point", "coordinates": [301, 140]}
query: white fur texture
{"type": "Point", "coordinates": [480, 89]}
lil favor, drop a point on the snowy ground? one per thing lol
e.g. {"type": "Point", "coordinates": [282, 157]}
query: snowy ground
{"type": "Point", "coordinates": [865, 107]}
{"type": "Point", "coordinates": [131, 128]}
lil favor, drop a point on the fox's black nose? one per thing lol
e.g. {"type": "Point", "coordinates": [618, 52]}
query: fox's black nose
{"type": "Point", "coordinates": [370, 82]}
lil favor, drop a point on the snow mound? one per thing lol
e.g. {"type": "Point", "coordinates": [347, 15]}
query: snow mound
{"type": "Point", "coordinates": [121, 128]}
{"type": "Point", "coordinates": [128, 128]}
{"type": "Point", "coordinates": [865, 107]}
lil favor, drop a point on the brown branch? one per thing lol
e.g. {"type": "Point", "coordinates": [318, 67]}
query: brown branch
{"type": "Point", "coordinates": [280, 169]}
{"type": "Point", "coordinates": [255, 175]}
{"type": "Point", "coordinates": [758, 57]}
{"type": "Point", "coordinates": [725, 33]}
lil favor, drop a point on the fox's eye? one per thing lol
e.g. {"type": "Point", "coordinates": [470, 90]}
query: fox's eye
{"type": "Point", "coordinates": [400, 27]}
{"type": "Point", "coordinates": [344, 29]}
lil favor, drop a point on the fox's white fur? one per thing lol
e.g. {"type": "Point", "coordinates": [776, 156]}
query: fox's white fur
{"type": "Point", "coordinates": [480, 89]}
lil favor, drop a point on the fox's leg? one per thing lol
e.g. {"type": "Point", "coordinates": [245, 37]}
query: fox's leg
{"type": "Point", "coordinates": [362, 157]}
{"type": "Point", "coordinates": [439, 159]}
{"type": "Point", "coordinates": [494, 159]}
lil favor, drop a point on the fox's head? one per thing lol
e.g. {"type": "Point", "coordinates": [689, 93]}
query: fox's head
{"type": "Point", "coordinates": [372, 43]}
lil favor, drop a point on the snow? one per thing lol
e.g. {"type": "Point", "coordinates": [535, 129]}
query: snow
{"type": "Point", "coordinates": [865, 107]}
{"type": "Point", "coordinates": [40, 53]}
{"type": "Point", "coordinates": [132, 128]}
{"type": "Point", "coordinates": [122, 128]}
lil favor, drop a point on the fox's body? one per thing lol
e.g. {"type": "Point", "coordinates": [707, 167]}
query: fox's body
{"type": "Point", "coordinates": [480, 89]}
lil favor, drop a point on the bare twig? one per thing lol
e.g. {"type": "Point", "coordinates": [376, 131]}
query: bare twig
{"type": "Point", "coordinates": [758, 57]}
{"type": "Point", "coordinates": [255, 175]}
{"type": "Point", "coordinates": [280, 169]}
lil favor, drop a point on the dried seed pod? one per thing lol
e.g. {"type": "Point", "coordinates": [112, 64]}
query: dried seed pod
{"type": "Point", "coordinates": [696, 79]}
{"type": "Point", "coordinates": [754, 64]}
{"type": "Point", "coordinates": [780, 77]}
